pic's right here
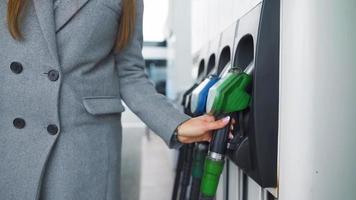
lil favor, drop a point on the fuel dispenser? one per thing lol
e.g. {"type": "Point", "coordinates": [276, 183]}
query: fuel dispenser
{"type": "Point", "coordinates": [198, 107]}
{"type": "Point", "coordinates": [228, 96]}
{"type": "Point", "coordinates": [192, 157]}
{"type": "Point", "coordinates": [249, 93]}
{"type": "Point", "coordinates": [254, 146]}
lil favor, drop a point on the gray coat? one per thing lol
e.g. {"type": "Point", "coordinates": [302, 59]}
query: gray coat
{"type": "Point", "coordinates": [60, 101]}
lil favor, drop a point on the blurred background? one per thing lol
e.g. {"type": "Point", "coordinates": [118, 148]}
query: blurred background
{"type": "Point", "coordinates": [300, 49]}
{"type": "Point", "coordinates": [145, 156]}
{"type": "Point", "coordinates": [174, 32]}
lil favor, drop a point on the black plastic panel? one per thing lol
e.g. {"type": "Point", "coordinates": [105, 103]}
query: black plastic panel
{"type": "Point", "coordinates": [211, 63]}
{"type": "Point", "coordinates": [225, 57]}
{"type": "Point", "coordinates": [201, 70]}
{"type": "Point", "coordinates": [257, 148]}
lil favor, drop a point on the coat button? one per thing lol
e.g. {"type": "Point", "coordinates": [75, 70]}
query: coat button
{"type": "Point", "coordinates": [52, 129]}
{"type": "Point", "coordinates": [19, 123]}
{"type": "Point", "coordinates": [16, 67]}
{"type": "Point", "coordinates": [53, 75]}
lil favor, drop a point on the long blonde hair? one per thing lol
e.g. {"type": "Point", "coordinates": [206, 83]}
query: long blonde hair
{"type": "Point", "coordinates": [126, 24]}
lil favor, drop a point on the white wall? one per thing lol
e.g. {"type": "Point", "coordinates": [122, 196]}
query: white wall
{"type": "Point", "coordinates": [155, 19]}
{"type": "Point", "coordinates": [211, 17]}
{"type": "Point", "coordinates": [179, 47]}
{"type": "Point", "coordinates": [317, 100]}
{"type": "Point", "coordinates": [191, 25]}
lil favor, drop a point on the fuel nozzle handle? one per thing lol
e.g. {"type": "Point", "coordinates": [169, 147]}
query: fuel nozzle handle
{"type": "Point", "coordinates": [220, 138]}
{"type": "Point", "coordinates": [214, 162]}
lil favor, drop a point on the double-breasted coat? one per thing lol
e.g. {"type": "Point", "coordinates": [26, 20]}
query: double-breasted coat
{"type": "Point", "coordinates": [60, 100]}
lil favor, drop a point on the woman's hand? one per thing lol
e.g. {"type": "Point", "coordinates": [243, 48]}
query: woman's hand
{"type": "Point", "coordinates": [200, 129]}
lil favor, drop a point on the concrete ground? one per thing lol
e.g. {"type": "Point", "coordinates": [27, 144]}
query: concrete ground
{"type": "Point", "coordinates": [147, 163]}
{"type": "Point", "coordinates": [157, 170]}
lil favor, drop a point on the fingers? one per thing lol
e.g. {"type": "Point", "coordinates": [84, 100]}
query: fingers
{"type": "Point", "coordinates": [188, 139]}
{"type": "Point", "coordinates": [207, 137]}
{"type": "Point", "coordinates": [218, 124]}
{"type": "Point", "coordinates": [200, 128]}
{"type": "Point", "coordinates": [208, 118]}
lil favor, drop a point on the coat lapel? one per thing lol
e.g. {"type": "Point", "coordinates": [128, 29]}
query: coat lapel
{"type": "Point", "coordinates": [65, 11]}
{"type": "Point", "coordinates": [45, 14]}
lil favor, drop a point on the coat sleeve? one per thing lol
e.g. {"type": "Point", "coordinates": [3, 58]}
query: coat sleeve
{"type": "Point", "coordinates": [139, 93]}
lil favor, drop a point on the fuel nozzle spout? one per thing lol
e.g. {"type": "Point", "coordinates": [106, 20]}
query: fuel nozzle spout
{"type": "Point", "coordinates": [250, 68]}
{"type": "Point", "coordinates": [237, 70]}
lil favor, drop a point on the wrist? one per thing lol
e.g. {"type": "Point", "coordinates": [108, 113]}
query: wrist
{"type": "Point", "coordinates": [174, 142]}
{"type": "Point", "coordinates": [177, 133]}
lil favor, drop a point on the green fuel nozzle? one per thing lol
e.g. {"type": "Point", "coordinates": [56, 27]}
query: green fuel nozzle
{"type": "Point", "coordinates": [228, 96]}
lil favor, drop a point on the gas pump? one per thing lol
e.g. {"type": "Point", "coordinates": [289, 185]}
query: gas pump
{"type": "Point", "coordinates": [225, 98]}
{"type": "Point", "coordinates": [198, 107]}
{"type": "Point", "coordinates": [191, 158]}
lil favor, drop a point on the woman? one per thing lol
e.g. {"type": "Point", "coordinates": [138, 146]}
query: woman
{"type": "Point", "coordinates": [65, 67]}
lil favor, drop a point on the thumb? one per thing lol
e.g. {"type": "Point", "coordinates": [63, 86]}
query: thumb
{"type": "Point", "coordinates": [221, 123]}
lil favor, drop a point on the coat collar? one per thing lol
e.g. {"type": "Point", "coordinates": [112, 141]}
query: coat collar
{"type": "Point", "coordinates": [45, 14]}
{"type": "Point", "coordinates": [52, 19]}
{"type": "Point", "coordinates": [65, 11]}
